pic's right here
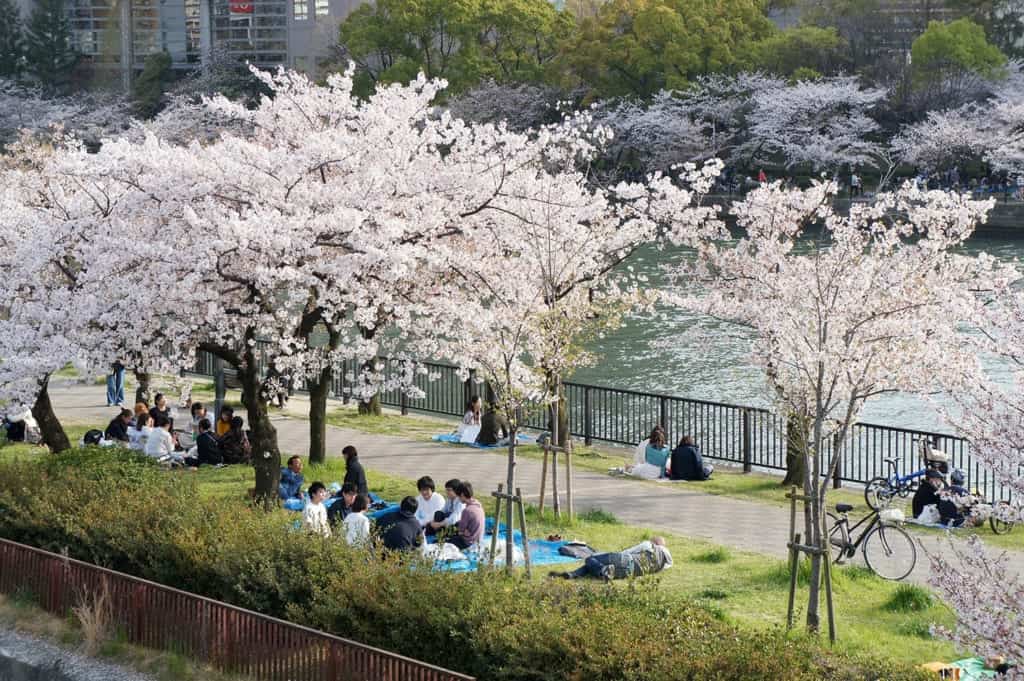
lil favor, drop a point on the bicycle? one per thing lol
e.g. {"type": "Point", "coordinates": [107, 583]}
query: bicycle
{"type": "Point", "coordinates": [888, 550]}
{"type": "Point", "coordinates": [880, 491]}
{"type": "Point", "coordinates": [1000, 526]}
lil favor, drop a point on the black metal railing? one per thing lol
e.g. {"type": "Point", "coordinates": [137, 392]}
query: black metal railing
{"type": "Point", "coordinates": [742, 435]}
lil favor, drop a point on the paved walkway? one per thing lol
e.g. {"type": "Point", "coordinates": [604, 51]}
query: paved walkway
{"type": "Point", "coordinates": [679, 508]}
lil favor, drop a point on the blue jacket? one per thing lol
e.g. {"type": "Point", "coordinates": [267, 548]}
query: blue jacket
{"type": "Point", "coordinates": [291, 484]}
{"type": "Point", "coordinates": [687, 463]}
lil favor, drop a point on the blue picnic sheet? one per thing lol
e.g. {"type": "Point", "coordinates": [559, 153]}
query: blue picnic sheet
{"type": "Point", "coordinates": [453, 439]}
{"type": "Point", "coordinates": [542, 552]}
{"type": "Point", "coordinates": [297, 504]}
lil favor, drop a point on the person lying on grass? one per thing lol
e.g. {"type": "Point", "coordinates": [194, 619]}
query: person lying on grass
{"type": "Point", "coordinates": [645, 558]}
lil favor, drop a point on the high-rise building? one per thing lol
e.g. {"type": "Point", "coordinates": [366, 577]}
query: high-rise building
{"type": "Point", "coordinates": [268, 33]}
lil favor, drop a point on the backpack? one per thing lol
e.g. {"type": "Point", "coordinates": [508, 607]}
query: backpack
{"type": "Point", "coordinates": [92, 437]}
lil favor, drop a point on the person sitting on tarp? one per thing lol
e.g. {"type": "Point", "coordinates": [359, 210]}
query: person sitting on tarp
{"type": "Point", "coordinates": [645, 558]}
{"type": "Point", "coordinates": [117, 429]}
{"type": "Point", "coordinates": [342, 505]}
{"type": "Point", "coordinates": [451, 513]}
{"type": "Point", "coordinates": [492, 423]}
{"type": "Point", "coordinates": [687, 463]}
{"type": "Point", "coordinates": [927, 493]}
{"type": "Point", "coordinates": [405, 534]}
{"type": "Point", "coordinates": [290, 486]}
{"type": "Point", "coordinates": [470, 528]}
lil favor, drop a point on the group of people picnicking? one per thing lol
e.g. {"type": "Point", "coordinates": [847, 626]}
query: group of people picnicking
{"type": "Point", "coordinates": [203, 442]}
{"type": "Point", "coordinates": [454, 517]}
{"type": "Point", "coordinates": [653, 460]}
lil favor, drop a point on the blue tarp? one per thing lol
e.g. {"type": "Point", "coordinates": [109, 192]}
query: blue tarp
{"type": "Point", "coordinates": [542, 552]}
{"type": "Point", "coordinates": [453, 439]}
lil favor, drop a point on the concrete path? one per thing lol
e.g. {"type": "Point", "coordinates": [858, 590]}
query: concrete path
{"type": "Point", "coordinates": [679, 508]}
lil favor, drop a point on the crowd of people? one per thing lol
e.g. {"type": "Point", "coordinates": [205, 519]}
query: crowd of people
{"type": "Point", "coordinates": [202, 442]}
{"type": "Point", "coordinates": [454, 517]}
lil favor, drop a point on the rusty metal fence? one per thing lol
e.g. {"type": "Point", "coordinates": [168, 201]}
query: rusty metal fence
{"type": "Point", "coordinates": [230, 639]}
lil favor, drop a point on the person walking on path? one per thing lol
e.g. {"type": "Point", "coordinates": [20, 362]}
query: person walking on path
{"type": "Point", "coordinates": [115, 385]}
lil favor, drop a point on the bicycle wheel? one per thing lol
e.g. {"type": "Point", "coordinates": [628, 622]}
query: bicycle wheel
{"type": "Point", "coordinates": [890, 552]}
{"type": "Point", "coordinates": [878, 494]}
{"type": "Point", "coordinates": [1000, 526]}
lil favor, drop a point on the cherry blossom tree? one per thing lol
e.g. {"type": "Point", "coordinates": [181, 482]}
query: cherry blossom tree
{"type": "Point", "coordinates": [537, 275]}
{"type": "Point", "coordinates": [824, 124]}
{"type": "Point", "coordinates": [61, 250]}
{"type": "Point", "coordinates": [90, 117]}
{"type": "Point", "coordinates": [844, 309]}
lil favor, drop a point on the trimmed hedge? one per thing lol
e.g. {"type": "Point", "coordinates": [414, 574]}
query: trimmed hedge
{"type": "Point", "coordinates": [120, 511]}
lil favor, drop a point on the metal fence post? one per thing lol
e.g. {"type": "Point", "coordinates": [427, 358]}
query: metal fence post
{"type": "Point", "coordinates": [747, 448]}
{"type": "Point", "coordinates": [837, 475]}
{"type": "Point", "coordinates": [403, 401]}
{"type": "Point", "coordinates": [663, 416]}
{"type": "Point", "coordinates": [587, 421]}
{"type": "Point", "coordinates": [219, 389]}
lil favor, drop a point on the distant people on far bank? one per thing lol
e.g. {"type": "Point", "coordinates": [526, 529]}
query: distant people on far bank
{"type": "Point", "coordinates": [290, 486]}
{"type": "Point", "coordinates": [687, 463]}
{"type": "Point", "coordinates": [856, 188]}
{"type": "Point", "coordinates": [354, 472]}
{"type": "Point", "coordinates": [762, 178]}
{"type": "Point", "coordinates": [115, 385]}
{"type": "Point", "coordinates": [494, 428]}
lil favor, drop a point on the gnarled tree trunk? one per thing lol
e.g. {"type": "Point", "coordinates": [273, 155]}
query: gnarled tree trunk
{"type": "Point", "coordinates": [266, 455]}
{"type": "Point", "coordinates": [796, 451]}
{"type": "Point", "coordinates": [52, 431]}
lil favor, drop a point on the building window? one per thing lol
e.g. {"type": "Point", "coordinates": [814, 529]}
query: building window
{"type": "Point", "coordinates": [300, 8]}
{"type": "Point", "coordinates": [323, 8]}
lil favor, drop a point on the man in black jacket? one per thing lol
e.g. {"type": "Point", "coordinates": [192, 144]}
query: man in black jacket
{"type": "Point", "coordinates": [118, 428]}
{"type": "Point", "coordinates": [207, 447]}
{"type": "Point", "coordinates": [927, 492]}
{"type": "Point", "coordinates": [354, 472]}
{"type": "Point", "coordinates": [492, 423]}
{"type": "Point", "coordinates": [405, 534]}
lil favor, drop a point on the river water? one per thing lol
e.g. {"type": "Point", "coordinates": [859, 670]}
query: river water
{"type": "Point", "coordinates": [697, 357]}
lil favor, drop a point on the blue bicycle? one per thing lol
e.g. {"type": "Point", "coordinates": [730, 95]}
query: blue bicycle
{"type": "Point", "coordinates": [880, 491]}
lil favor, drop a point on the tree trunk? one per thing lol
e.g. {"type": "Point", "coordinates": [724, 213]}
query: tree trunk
{"type": "Point", "coordinates": [558, 409]}
{"type": "Point", "coordinates": [53, 433]}
{"type": "Point", "coordinates": [796, 451]}
{"type": "Point", "coordinates": [266, 456]}
{"type": "Point", "coordinates": [511, 482]}
{"type": "Point", "coordinates": [318, 392]}
{"type": "Point", "coordinates": [142, 387]}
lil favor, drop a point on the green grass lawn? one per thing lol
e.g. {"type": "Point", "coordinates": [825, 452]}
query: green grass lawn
{"type": "Point", "coordinates": [745, 588]}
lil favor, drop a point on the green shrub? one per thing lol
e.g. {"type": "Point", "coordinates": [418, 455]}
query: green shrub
{"type": "Point", "coordinates": [121, 511]}
{"type": "Point", "coordinates": [597, 515]}
{"type": "Point", "coordinates": [910, 598]}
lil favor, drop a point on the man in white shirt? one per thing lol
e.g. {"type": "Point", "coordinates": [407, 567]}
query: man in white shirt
{"type": "Point", "coordinates": [645, 558]}
{"type": "Point", "coordinates": [160, 443]}
{"type": "Point", "coordinates": [450, 514]}
{"type": "Point", "coordinates": [430, 502]}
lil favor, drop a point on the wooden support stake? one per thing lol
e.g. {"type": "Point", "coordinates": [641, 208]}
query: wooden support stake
{"type": "Point", "coordinates": [827, 557]}
{"type": "Point", "coordinates": [568, 477]}
{"type": "Point", "coordinates": [554, 483]}
{"type": "Point", "coordinates": [793, 564]}
{"type": "Point", "coordinates": [522, 528]}
{"type": "Point", "coordinates": [497, 521]}
{"type": "Point", "coordinates": [543, 481]}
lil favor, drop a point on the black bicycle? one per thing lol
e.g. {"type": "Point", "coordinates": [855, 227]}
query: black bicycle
{"type": "Point", "coordinates": [888, 550]}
